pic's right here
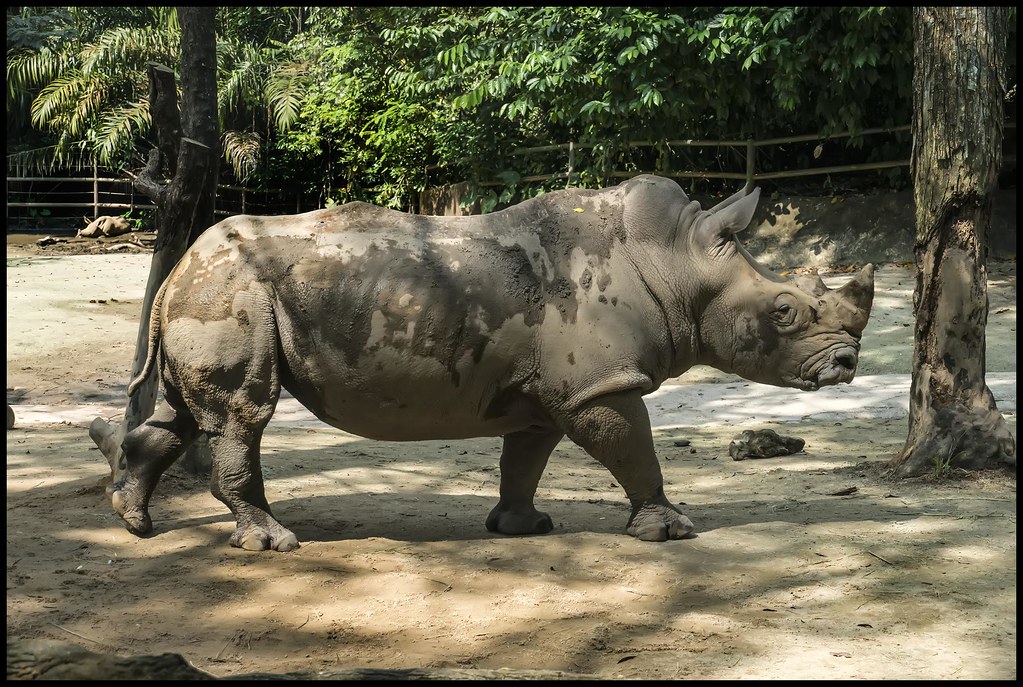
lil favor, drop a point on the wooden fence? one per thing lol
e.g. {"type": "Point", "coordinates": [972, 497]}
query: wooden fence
{"type": "Point", "coordinates": [42, 201]}
{"type": "Point", "coordinates": [747, 152]}
{"type": "Point", "coordinates": [66, 202]}
{"type": "Point", "coordinates": [749, 174]}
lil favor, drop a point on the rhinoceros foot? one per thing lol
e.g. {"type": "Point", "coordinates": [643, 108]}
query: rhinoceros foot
{"type": "Point", "coordinates": [507, 520]}
{"type": "Point", "coordinates": [256, 538]}
{"type": "Point", "coordinates": [126, 503]}
{"type": "Point", "coordinates": [659, 521]}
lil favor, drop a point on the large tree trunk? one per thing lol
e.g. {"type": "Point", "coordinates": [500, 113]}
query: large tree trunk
{"type": "Point", "coordinates": [188, 146]}
{"type": "Point", "coordinates": [958, 93]}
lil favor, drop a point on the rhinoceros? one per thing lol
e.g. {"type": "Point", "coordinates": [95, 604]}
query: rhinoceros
{"type": "Point", "coordinates": [549, 319]}
{"type": "Point", "coordinates": [105, 226]}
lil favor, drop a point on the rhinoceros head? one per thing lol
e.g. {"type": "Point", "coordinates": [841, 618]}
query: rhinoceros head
{"type": "Point", "coordinates": [765, 327]}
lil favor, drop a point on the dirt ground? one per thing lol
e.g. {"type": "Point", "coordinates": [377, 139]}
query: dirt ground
{"type": "Point", "coordinates": [809, 566]}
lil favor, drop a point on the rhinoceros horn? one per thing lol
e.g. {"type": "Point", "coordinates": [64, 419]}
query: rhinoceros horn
{"type": "Point", "coordinates": [859, 294]}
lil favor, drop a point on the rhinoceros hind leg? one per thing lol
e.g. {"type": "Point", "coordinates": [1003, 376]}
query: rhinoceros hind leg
{"type": "Point", "coordinates": [149, 449]}
{"type": "Point", "coordinates": [523, 460]}
{"type": "Point", "coordinates": [237, 482]}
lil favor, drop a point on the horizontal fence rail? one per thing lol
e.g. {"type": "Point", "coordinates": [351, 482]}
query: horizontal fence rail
{"type": "Point", "coordinates": [47, 200]}
{"type": "Point", "coordinates": [40, 196]}
{"type": "Point", "coordinates": [749, 175]}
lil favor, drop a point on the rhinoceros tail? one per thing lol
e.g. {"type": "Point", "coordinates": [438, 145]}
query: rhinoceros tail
{"type": "Point", "coordinates": [154, 340]}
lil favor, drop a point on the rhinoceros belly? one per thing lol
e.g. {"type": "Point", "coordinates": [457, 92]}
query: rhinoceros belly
{"type": "Point", "coordinates": [390, 397]}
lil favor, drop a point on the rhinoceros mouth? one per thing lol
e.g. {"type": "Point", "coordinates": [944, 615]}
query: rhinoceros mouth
{"type": "Point", "coordinates": [834, 365]}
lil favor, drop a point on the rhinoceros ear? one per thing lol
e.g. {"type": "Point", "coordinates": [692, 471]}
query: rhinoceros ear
{"type": "Point", "coordinates": [730, 200]}
{"type": "Point", "coordinates": [716, 230]}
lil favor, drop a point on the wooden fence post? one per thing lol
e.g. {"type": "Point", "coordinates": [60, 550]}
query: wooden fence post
{"type": "Point", "coordinates": [571, 163]}
{"type": "Point", "coordinates": [95, 189]}
{"type": "Point", "coordinates": [751, 156]}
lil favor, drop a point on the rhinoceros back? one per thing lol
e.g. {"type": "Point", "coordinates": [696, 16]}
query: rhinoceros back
{"type": "Point", "coordinates": [392, 325]}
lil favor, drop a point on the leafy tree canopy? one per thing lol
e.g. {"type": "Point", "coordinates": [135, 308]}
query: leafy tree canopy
{"type": "Point", "coordinates": [367, 102]}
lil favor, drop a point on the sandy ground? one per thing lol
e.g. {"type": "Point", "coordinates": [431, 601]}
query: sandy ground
{"type": "Point", "coordinates": [810, 566]}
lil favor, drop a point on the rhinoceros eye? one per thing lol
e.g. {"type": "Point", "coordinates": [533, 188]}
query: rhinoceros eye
{"type": "Point", "coordinates": [784, 314]}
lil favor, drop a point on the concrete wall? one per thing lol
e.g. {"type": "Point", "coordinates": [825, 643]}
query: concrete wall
{"type": "Point", "coordinates": [819, 231]}
{"type": "Point", "coordinates": [878, 228]}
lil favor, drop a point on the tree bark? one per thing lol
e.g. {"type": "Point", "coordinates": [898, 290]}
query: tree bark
{"type": "Point", "coordinates": [163, 108]}
{"type": "Point", "coordinates": [188, 145]}
{"type": "Point", "coordinates": [958, 96]}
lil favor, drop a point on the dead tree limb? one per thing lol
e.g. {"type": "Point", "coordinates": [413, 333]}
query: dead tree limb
{"type": "Point", "coordinates": [188, 145]}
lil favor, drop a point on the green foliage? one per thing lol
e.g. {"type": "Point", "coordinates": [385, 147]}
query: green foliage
{"type": "Point", "coordinates": [138, 218]}
{"type": "Point", "coordinates": [376, 103]}
{"type": "Point", "coordinates": [31, 31]}
{"type": "Point", "coordinates": [608, 75]}
{"type": "Point", "coordinates": [80, 75]}
{"type": "Point", "coordinates": [82, 81]}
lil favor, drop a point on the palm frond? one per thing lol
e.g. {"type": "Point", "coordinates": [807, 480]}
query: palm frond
{"type": "Point", "coordinates": [242, 152]}
{"type": "Point", "coordinates": [59, 95]}
{"type": "Point", "coordinates": [166, 19]}
{"type": "Point", "coordinates": [119, 128]}
{"type": "Point", "coordinates": [90, 102]}
{"type": "Point", "coordinates": [73, 154]}
{"type": "Point", "coordinates": [285, 91]}
{"type": "Point", "coordinates": [29, 70]}
{"type": "Point", "coordinates": [242, 77]}
{"type": "Point", "coordinates": [35, 161]}
{"type": "Point", "coordinates": [232, 89]}
{"type": "Point", "coordinates": [123, 48]}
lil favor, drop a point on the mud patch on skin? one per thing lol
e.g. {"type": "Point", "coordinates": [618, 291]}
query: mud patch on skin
{"type": "Point", "coordinates": [562, 294]}
{"type": "Point", "coordinates": [207, 289]}
{"type": "Point", "coordinates": [352, 283]}
{"type": "Point", "coordinates": [586, 280]}
{"type": "Point", "coordinates": [403, 299]}
{"type": "Point", "coordinates": [192, 342]}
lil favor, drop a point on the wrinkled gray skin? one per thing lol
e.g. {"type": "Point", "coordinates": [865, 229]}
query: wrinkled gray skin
{"type": "Point", "coordinates": [548, 319]}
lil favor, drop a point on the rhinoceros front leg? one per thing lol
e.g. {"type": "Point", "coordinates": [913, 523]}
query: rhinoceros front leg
{"type": "Point", "coordinates": [615, 430]}
{"type": "Point", "coordinates": [237, 481]}
{"type": "Point", "coordinates": [523, 460]}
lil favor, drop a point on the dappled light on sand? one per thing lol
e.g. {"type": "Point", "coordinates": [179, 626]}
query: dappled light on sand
{"type": "Point", "coordinates": [784, 578]}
